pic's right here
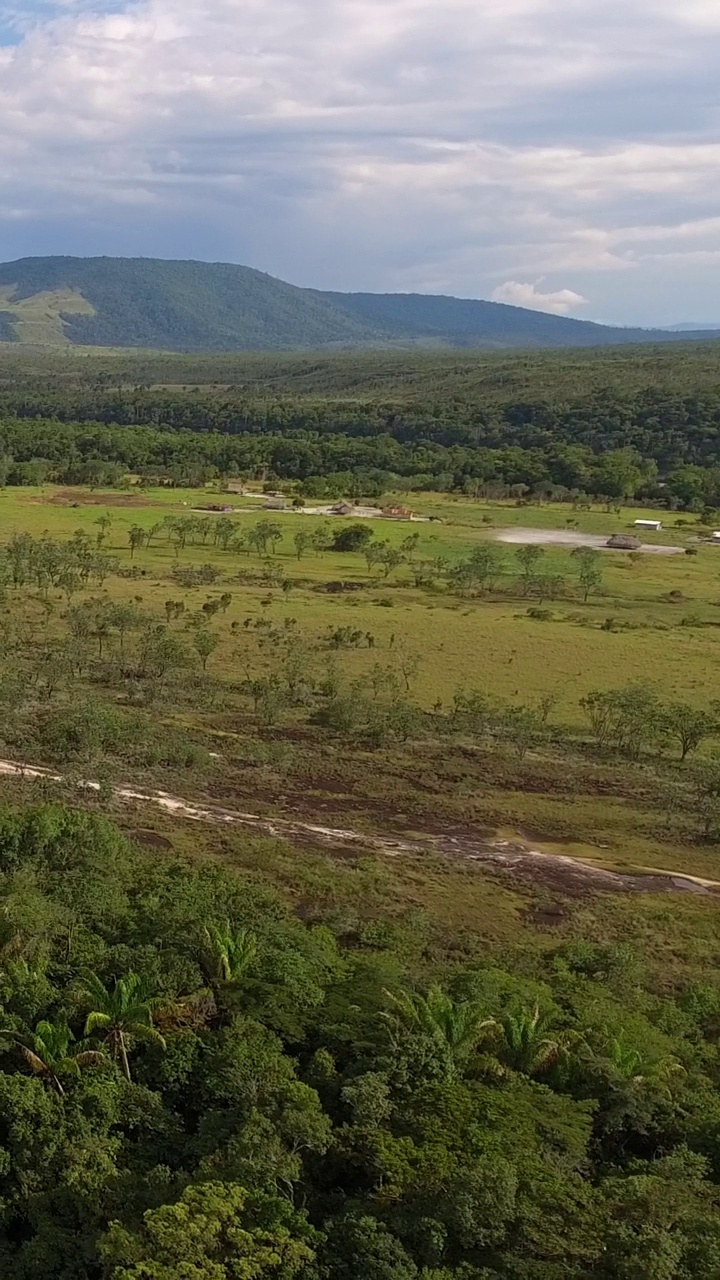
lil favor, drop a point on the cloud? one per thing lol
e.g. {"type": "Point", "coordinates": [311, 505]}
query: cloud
{"type": "Point", "coordinates": [559, 301]}
{"type": "Point", "coordinates": [389, 144]}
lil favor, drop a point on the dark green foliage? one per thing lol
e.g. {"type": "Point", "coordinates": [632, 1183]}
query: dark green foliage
{"type": "Point", "coordinates": [454, 430]}
{"type": "Point", "coordinates": [299, 1109]}
{"type": "Point", "coordinates": [354, 537]}
{"type": "Point", "coordinates": [7, 328]}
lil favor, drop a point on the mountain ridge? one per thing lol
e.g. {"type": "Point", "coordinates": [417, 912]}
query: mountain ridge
{"type": "Point", "coordinates": [190, 305]}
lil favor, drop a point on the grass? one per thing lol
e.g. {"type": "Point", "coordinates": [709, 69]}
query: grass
{"type": "Point", "coordinates": [488, 643]}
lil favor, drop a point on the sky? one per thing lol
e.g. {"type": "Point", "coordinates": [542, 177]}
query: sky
{"type": "Point", "coordinates": [556, 154]}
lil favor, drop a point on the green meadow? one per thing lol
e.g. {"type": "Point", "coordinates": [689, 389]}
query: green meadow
{"type": "Point", "coordinates": [666, 609]}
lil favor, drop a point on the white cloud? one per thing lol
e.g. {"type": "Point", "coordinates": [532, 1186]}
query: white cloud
{"type": "Point", "coordinates": [436, 144]}
{"type": "Point", "coordinates": [558, 301]}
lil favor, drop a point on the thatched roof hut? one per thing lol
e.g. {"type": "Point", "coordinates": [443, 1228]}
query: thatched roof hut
{"type": "Point", "coordinates": [624, 542]}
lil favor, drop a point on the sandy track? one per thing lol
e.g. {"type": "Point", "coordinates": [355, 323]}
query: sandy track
{"type": "Point", "coordinates": [568, 538]}
{"type": "Point", "coordinates": [555, 871]}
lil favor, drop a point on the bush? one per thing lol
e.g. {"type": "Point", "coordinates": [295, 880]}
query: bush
{"type": "Point", "coordinates": [352, 538]}
{"type": "Point", "coordinates": [189, 576]}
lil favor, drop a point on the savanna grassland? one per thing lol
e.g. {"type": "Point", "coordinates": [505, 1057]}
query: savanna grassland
{"type": "Point", "coordinates": [351, 678]}
{"type": "Point", "coordinates": [373, 951]}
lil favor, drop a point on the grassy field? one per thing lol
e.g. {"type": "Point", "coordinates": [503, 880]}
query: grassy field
{"type": "Point", "coordinates": [667, 608]}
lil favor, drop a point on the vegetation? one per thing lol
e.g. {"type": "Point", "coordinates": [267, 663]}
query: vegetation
{"type": "Point", "coordinates": [358, 877]}
{"type": "Point", "coordinates": [213, 306]}
{"type": "Point", "coordinates": [356, 1109]}
{"type": "Point", "coordinates": [641, 424]}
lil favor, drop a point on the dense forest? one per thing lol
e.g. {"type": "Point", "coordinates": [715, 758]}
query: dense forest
{"type": "Point", "coordinates": [196, 1084]}
{"type": "Point", "coordinates": [652, 445]}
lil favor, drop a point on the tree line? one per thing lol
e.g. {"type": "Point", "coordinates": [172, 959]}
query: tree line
{"type": "Point", "coordinates": [665, 448]}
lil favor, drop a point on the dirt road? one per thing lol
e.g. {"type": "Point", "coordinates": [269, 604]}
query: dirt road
{"type": "Point", "coordinates": [569, 538]}
{"type": "Point", "coordinates": [559, 872]}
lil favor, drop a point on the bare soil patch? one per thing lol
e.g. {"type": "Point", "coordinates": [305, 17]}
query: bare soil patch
{"type": "Point", "coordinates": [71, 498]}
{"type": "Point", "coordinates": [559, 873]}
{"type": "Point", "coordinates": [569, 538]}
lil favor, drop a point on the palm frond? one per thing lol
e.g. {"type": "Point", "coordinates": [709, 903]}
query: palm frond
{"type": "Point", "coordinates": [90, 1058]}
{"type": "Point", "coordinates": [35, 1063]}
{"type": "Point", "coordinates": [97, 1021]}
{"type": "Point", "coordinates": [147, 1034]}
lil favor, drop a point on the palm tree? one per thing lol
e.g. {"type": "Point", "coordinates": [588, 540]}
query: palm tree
{"type": "Point", "coordinates": [530, 1045]}
{"type": "Point", "coordinates": [629, 1065]}
{"type": "Point", "coordinates": [227, 954]}
{"type": "Point", "coordinates": [49, 1054]}
{"type": "Point", "coordinates": [120, 1015]}
{"type": "Point", "coordinates": [456, 1027]}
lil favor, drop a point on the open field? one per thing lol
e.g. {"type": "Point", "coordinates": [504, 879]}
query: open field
{"type": "Point", "coordinates": [652, 619]}
{"type": "Point", "coordinates": [667, 609]}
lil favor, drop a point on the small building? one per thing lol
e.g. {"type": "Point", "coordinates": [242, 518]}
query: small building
{"type": "Point", "coordinates": [623, 542]}
{"type": "Point", "coordinates": [235, 486]}
{"type": "Point", "coordinates": [649, 524]}
{"type": "Point", "coordinates": [398, 513]}
{"type": "Point", "coordinates": [342, 509]}
{"type": "Point", "coordinates": [275, 504]}
{"type": "Point", "coordinates": [716, 536]}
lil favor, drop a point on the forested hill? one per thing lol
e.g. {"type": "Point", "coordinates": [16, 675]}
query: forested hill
{"type": "Point", "coordinates": [201, 306]}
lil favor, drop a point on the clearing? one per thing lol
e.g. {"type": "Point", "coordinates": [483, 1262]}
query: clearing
{"type": "Point", "coordinates": [570, 538]}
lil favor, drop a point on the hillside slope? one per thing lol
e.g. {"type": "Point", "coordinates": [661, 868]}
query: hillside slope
{"type": "Point", "coordinates": [212, 306]}
{"type": "Point", "coordinates": [186, 306]}
{"type": "Point", "coordinates": [469, 322]}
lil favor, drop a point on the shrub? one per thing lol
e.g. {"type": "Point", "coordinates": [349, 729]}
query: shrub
{"type": "Point", "coordinates": [352, 538]}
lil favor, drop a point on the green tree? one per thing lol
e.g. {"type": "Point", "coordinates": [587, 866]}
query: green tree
{"type": "Point", "coordinates": [105, 523]}
{"type": "Point", "coordinates": [264, 532]}
{"type": "Point", "coordinates": [321, 538]}
{"type": "Point", "coordinates": [529, 559]}
{"type": "Point", "coordinates": [119, 1016]}
{"type": "Point", "coordinates": [51, 1054]}
{"type": "Point", "coordinates": [626, 720]}
{"type": "Point", "coordinates": [124, 617]}
{"type": "Point", "coordinates": [215, 1231]}
{"type": "Point", "coordinates": [302, 540]}
{"type": "Point", "coordinates": [205, 642]}
{"type": "Point", "coordinates": [352, 537]}
{"type": "Point", "coordinates": [688, 726]}
{"type": "Point", "coordinates": [482, 567]}
{"type": "Point", "coordinates": [452, 1028]}
{"type": "Point", "coordinates": [409, 546]}
{"type": "Point", "coordinates": [706, 795]}
{"type": "Point", "coordinates": [224, 532]}
{"type": "Point", "coordinates": [589, 570]}
{"type": "Point", "coordinates": [361, 1247]}
{"type": "Point", "coordinates": [523, 727]}
{"type": "Point", "coordinates": [161, 652]}
{"type": "Point", "coordinates": [663, 1221]}
{"type": "Point", "coordinates": [153, 532]}
{"type": "Point", "coordinates": [531, 1043]}
{"type": "Point", "coordinates": [137, 538]}
{"type": "Point", "coordinates": [227, 954]}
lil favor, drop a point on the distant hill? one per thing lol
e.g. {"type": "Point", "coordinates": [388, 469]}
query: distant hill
{"type": "Point", "coordinates": [213, 306]}
{"type": "Point", "coordinates": [690, 326]}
